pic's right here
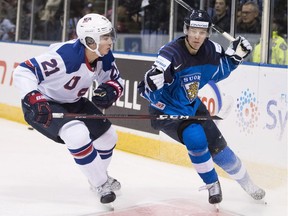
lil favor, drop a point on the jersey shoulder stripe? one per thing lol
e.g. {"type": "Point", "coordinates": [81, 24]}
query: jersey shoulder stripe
{"type": "Point", "coordinates": [107, 61]}
{"type": "Point", "coordinates": [172, 49]}
{"type": "Point", "coordinates": [73, 55]}
{"type": "Point", "coordinates": [33, 66]}
{"type": "Point", "coordinates": [210, 52]}
{"type": "Point", "coordinates": [218, 47]}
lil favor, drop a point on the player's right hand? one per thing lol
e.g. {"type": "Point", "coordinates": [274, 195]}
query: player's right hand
{"type": "Point", "coordinates": [39, 107]}
{"type": "Point", "coordinates": [154, 79]}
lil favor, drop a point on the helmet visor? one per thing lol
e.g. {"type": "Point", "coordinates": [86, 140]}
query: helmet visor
{"type": "Point", "coordinates": [111, 35]}
{"type": "Point", "coordinates": [102, 39]}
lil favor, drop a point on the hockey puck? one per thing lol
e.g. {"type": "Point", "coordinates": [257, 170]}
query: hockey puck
{"type": "Point", "coordinates": [30, 128]}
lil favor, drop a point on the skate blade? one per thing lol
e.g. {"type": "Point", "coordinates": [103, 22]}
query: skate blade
{"type": "Point", "coordinates": [262, 201]}
{"type": "Point", "coordinates": [217, 207]}
{"type": "Point", "coordinates": [109, 206]}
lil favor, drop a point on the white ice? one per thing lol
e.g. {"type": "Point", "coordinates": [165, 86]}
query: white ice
{"type": "Point", "coordinates": [39, 178]}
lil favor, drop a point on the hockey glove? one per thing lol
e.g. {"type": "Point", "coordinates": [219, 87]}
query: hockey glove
{"type": "Point", "coordinates": [39, 107]}
{"type": "Point", "coordinates": [238, 50]}
{"type": "Point", "coordinates": [106, 94]}
{"type": "Point", "coordinates": [154, 79]}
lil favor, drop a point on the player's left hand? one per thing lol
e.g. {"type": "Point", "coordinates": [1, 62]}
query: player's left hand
{"type": "Point", "coordinates": [154, 79]}
{"type": "Point", "coordinates": [106, 94]}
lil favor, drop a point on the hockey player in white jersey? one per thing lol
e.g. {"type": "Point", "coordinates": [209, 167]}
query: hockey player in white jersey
{"type": "Point", "coordinates": [57, 80]}
{"type": "Point", "coordinates": [182, 67]}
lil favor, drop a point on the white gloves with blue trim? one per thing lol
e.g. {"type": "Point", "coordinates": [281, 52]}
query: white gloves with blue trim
{"type": "Point", "coordinates": [239, 49]}
{"type": "Point", "coordinates": [154, 79]}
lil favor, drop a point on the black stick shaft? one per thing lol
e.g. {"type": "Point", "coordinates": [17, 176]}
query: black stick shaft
{"type": "Point", "coordinates": [127, 116]}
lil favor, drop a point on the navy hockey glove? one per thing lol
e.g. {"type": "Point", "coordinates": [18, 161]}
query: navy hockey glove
{"type": "Point", "coordinates": [238, 50]}
{"type": "Point", "coordinates": [154, 79]}
{"type": "Point", "coordinates": [106, 94]}
{"type": "Point", "coordinates": [39, 107]}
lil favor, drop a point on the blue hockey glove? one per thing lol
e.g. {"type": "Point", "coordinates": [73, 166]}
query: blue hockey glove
{"type": "Point", "coordinates": [154, 79]}
{"type": "Point", "coordinates": [106, 94]}
{"type": "Point", "coordinates": [39, 108]}
{"type": "Point", "coordinates": [238, 49]}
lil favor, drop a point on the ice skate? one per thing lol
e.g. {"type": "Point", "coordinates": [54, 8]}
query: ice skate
{"type": "Point", "coordinates": [215, 193]}
{"type": "Point", "coordinates": [253, 190]}
{"type": "Point", "coordinates": [115, 185]}
{"type": "Point", "coordinates": [106, 193]}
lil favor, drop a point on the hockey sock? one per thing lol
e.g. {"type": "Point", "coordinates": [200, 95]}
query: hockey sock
{"type": "Point", "coordinates": [196, 143]}
{"type": "Point", "coordinates": [76, 136]}
{"type": "Point", "coordinates": [204, 166]}
{"type": "Point", "coordinates": [231, 164]}
{"type": "Point", "coordinates": [90, 164]}
{"type": "Point", "coordinates": [105, 145]}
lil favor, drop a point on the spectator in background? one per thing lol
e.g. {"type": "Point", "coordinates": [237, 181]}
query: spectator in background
{"type": "Point", "coordinates": [155, 16]}
{"type": "Point", "coordinates": [50, 20]}
{"type": "Point", "coordinates": [7, 28]}
{"type": "Point", "coordinates": [222, 16]}
{"type": "Point", "coordinates": [238, 14]}
{"type": "Point", "coordinates": [155, 24]}
{"type": "Point", "coordinates": [128, 18]}
{"type": "Point", "coordinates": [77, 8]}
{"type": "Point", "coordinates": [122, 19]}
{"type": "Point", "coordinates": [279, 51]}
{"type": "Point", "coordinates": [250, 20]}
{"type": "Point", "coordinates": [88, 8]}
{"type": "Point", "coordinates": [10, 7]}
{"type": "Point", "coordinates": [25, 19]}
{"type": "Point", "coordinates": [258, 2]}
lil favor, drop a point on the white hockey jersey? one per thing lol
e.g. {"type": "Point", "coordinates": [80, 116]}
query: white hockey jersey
{"type": "Point", "coordinates": [63, 74]}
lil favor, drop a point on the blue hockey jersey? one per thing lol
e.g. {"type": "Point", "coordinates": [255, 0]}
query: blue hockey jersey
{"type": "Point", "coordinates": [186, 74]}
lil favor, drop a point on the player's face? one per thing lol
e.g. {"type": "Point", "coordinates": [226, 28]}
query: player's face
{"type": "Point", "coordinates": [105, 44]}
{"type": "Point", "coordinates": [196, 37]}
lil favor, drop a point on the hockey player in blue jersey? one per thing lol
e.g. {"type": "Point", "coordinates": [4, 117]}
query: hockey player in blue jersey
{"type": "Point", "coordinates": [57, 80]}
{"type": "Point", "coordinates": [182, 67]}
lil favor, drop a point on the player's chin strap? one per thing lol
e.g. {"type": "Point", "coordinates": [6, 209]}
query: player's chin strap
{"type": "Point", "coordinates": [96, 50]}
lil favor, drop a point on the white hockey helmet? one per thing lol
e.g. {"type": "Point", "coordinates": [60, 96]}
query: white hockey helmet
{"type": "Point", "coordinates": [91, 27]}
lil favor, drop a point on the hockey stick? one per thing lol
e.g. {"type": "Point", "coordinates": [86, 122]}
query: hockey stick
{"type": "Point", "coordinates": [216, 28]}
{"type": "Point", "coordinates": [127, 116]}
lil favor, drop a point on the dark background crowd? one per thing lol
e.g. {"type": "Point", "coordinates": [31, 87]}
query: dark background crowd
{"type": "Point", "coordinates": [137, 20]}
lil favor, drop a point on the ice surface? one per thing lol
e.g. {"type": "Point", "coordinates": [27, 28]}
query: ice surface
{"type": "Point", "coordinates": [39, 178]}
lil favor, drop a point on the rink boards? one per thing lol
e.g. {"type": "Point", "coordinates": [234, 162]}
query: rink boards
{"type": "Point", "coordinates": [255, 127]}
